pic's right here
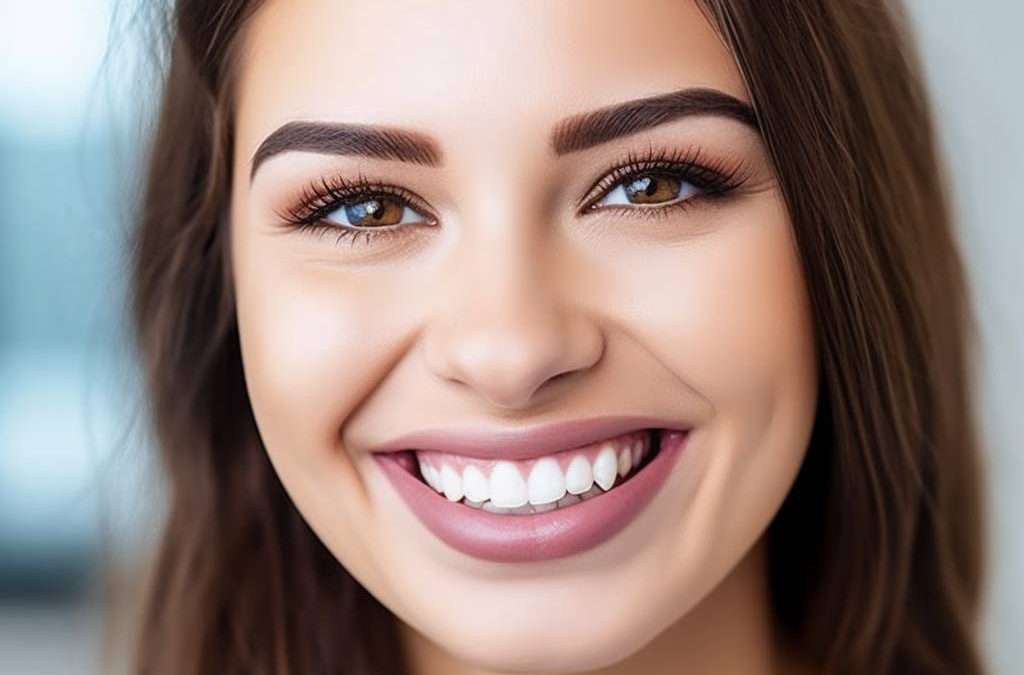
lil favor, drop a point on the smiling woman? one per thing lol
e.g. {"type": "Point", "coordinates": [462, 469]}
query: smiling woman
{"type": "Point", "coordinates": [483, 338]}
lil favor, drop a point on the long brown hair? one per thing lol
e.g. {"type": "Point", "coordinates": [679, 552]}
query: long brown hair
{"type": "Point", "coordinates": [876, 557]}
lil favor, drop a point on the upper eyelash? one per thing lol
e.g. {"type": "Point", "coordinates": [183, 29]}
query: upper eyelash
{"type": "Point", "coordinates": [320, 198]}
{"type": "Point", "coordinates": [324, 196]}
{"type": "Point", "coordinates": [712, 178]}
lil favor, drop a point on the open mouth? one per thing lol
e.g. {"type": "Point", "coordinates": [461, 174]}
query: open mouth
{"type": "Point", "coordinates": [524, 506]}
{"type": "Point", "coordinates": [550, 482]}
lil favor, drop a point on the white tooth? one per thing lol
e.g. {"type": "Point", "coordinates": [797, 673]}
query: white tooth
{"type": "Point", "coordinates": [541, 508]}
{"type": "Point", "coordinates": [472, 504]}
{"type": "Point", "coordinates": [491, 508]}
{"type": "Point", "coordinates": [451, 483]}
{"type": "Point", "coordinates": [474, 484]}
{"type": "Point", "coordinates": [625, 462]}
{"type": "Point", "coordinates": [546, 483]}
{"type": "Point", "coordinates": [568, 500]}
{"type": "Point", "coordinates": [591, 493]}
{"type": "Point", "coordinates": [579, 478]}
{"type": "Point", "coordinates": [525, 509]}
{"type": "Point", "coordinates": [638, 446]}
{"type": "Point", "coordinates": [507, 487]}
{"type": "Point", "coordinates": [432, 477]}
{"type": "Point", "coordinates": [605, 467]}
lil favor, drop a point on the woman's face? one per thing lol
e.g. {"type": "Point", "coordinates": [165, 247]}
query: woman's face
{"type": "Point", "coordinates": [534, 264]}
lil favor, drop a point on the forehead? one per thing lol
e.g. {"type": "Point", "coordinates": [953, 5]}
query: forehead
{"type": "Point", "coordinates": [470, 69]}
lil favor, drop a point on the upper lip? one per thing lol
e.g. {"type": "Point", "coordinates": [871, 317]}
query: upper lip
{"type": "Point", "coordinates": [524, 443]}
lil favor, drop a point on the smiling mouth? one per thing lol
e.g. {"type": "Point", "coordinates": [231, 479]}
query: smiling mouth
{"type": "Point", "coordinates": [549, 482]}
{"type": "Point", "coordinates": [522, 505]}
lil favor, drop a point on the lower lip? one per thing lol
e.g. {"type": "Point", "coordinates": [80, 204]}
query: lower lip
{"type": "Point", "coordinates": [540, 536]}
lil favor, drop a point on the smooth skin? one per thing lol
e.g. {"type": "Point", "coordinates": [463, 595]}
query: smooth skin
{"type": "Point", "coordinates": [515, 309]}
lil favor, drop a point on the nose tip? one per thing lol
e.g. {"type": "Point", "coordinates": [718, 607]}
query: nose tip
{"type": "Point", "coordinates": [507, 354]}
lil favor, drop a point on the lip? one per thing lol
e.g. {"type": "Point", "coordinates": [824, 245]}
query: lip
{"type": "Point", "coordinates": [520, 443]}
{"type": "Point", "coordinates": [539, 536]}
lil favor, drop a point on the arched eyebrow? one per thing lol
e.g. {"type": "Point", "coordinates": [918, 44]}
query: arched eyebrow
{"type": "Point", "coordinates": [572, 134]}
{"type": "Point", "coordinates": [586, 130]}
{"type": "Point", "coordinates": [341, 138]}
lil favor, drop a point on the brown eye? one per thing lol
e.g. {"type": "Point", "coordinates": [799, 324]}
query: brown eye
{"type": "Point", "coordinates": [374, 212]}
{"type": "Point", "coordinates": [653, 189]}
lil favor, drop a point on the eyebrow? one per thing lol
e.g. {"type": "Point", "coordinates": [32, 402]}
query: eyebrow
{"type": "Point", "coordinates": [587, 130]}
{"type": "Point", "coordinates": [339, 138]}
{"type": "Point", "coordinates": [575, 133]}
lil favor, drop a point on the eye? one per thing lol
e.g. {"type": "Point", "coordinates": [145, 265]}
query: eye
{"type": "Point", "coordinates": [358, 210]}
{"type": "Point", "coordinates": [659, 189]}
{"type": "Point", "coordinates": [659, 181]}
{"type": "Point", "coordinates": [376, 211]}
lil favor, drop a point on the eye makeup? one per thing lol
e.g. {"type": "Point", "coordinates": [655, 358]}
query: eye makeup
{"type": "Point", "coordinates": [308, 212]}
{"type": "Point", "coordinates": [712, 179]}
{"type": "Point", "coordinates": [709, 180]}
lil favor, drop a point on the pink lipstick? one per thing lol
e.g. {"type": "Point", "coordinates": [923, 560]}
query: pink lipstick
{"type": "Point", "coordinates": [528, 495]}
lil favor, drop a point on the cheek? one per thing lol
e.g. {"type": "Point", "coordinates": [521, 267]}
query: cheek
{"type": "Point", "coordinates": [737, 330]}
{"type": "Point", "coordinates": [314, 344]}
{"type": "Point", "coordinates": [733, 320]}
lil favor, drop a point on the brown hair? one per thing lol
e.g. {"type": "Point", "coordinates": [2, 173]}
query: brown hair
{"type": "Point", "coordinates": [876, 556]}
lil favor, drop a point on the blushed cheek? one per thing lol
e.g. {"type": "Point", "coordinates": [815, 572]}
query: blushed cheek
{"type": "Point", "coordinates": [742, 335]}
{"type": "Point", "coordinates": [311, 344]}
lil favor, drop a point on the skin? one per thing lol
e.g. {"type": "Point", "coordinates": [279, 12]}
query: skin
{"type": "Point", "coordinates": [515, 309]}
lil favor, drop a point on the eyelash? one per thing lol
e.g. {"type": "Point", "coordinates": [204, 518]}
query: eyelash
{"type": "Point", "coordinates": [320, 198]}
{"type": "Point", "coordinates": [714, 180]}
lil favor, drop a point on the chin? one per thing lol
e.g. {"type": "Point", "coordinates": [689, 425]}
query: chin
{"type": "Point", "coordinates": [525, 645]}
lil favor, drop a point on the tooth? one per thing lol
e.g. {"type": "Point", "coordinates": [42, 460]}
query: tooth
{"type": "Point", "coordinates": [638, 447]}
{"type": "Point", "coordinates": [591, 493]}
{"type": "Point", "coordinates": [474, 484]}
{"type": "Point", "coordinates": [625, 463]}
{"type": "Point", "coordinates": [491, 508]}
{"type": "Point", "coordinates": [425, 471]}
{"type": "Point", "coordinates": [451, 482]}
{"type": "Point", "coordinates": [541, 508]}
{"type": "Point", "coordinates": [605, 468]}
{"type": "Point", "coordinates": [568, 500]}
{"type": "Point", "coordinates": [432, 477]}
{"type": "Point", "coordinates": [472, 504]}
{"type": "Point", "coordinates": [524, 509]}
{"type": "Point", "coordinates": [578, 478]}
{"type": "Point", "coordinates": [649, 445]}
{"type": "Point", "coordinates": [507, 487]}
{"type": "Point", "coordinates": [546, 483]}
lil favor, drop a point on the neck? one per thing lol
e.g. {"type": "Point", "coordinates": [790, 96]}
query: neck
{"type": "Point", "coordinates": [729, 631]}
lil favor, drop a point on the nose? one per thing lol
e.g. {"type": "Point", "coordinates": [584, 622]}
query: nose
{"type": "Point", "coordinates": [507, 322]}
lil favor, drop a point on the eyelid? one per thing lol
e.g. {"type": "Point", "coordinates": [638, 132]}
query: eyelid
{"type": "Point", "coordinates": [718, 175]}
{"type": "Point", "coordinates": [319, 198]}
{"type": "Point", "coordinates": [714, 179]}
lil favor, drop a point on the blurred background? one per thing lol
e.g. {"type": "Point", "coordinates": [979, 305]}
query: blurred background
{"type": "Point", "coordinates": [77, 492]}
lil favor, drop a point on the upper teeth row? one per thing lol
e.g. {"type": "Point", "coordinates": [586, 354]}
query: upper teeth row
{"type": "Point", "coordinates": [547, 483]}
